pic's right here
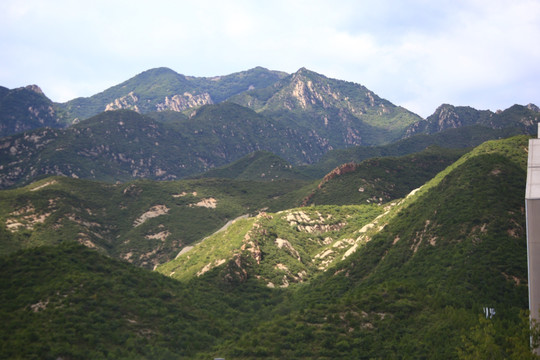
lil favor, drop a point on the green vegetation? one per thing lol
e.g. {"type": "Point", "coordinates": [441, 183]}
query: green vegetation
{"type": "Point", "coordinates": [258, 166]}
{"type": "Point", "coordinates": [379, 180]}
{"type": "Point", "coordinates": [69, 302]}
{"type": "Point", "coordinates": [123, 145]}
{"type": "Point", "coordinates": [144, 222]}
{"type": "Point", "coordinates": [449, 116]}
{"type": "Point", "coordinates": [342, 112]}
{"type": "Point", "coordinates": [24, 109]}
{"type": "Point", "coordinates": [289, 247]}
{"type": "Point", "coordinates": [261, 260]}
{"type": "Point", "coordinates": [458, 138]}
{"type": "Point", "coordinates": [419, 286]}
{"type": "Point", "coordinates": [147, 91]}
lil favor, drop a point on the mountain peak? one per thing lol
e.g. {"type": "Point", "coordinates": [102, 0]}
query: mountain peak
{"type": "Point", "coordinates": [35, 89]}
{"type": "Point", "coordinates": [533, 107]}
{"type": "Point", "coordinates": [306, 72]}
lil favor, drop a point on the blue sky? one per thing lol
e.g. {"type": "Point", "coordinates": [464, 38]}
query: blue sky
{"type": "Point", "coordinates": [417, 54]}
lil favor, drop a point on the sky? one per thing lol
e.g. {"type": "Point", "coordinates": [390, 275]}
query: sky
{"type": "Point", "coordinates": [417, 54]}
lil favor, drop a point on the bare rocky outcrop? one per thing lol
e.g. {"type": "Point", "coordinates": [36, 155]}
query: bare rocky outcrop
{"type": "Point", "coordinates": [285, 244]}
{"type": "Point", "coordinates": [153, 212]}
{"type": "Point", "coordinates": [185, 101]}
{"type": "Point", "coordinates": [125, 102]}
{"type": "Point", "coordinates": [207, 203]}
{"type": "Point", "coordinates": [25, 218]}
{"type": "Point", "coordinates": [303, 222]}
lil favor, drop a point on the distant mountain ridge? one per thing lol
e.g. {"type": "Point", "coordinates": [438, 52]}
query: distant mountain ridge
{"type": "Point", "coordinates": [162, 89]}
{"type": "Point", "coordinates": [173, 126]}
{"type": "Point", "coordinates": [343, 112]}
{"type": "Point", "coordinates": [123, 145]}
{"type": "Point", "coordinates": [448, 116]}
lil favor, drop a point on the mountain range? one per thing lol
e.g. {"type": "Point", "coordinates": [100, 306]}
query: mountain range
{"type": "Point", "coordinates": [260, 215]}
{"type": "Point", "coordinates": [301, 117]}
{"type": "Point", "coordinates": [397, 277]}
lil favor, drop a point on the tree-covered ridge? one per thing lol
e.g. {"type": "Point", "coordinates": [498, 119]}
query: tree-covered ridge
{"type": "Point", "coordinates": [448, 116]}
{"type": "Point", "coordinates": [69, 302]}
{"type": "Point", "coordinates": [260, 166]}
{"type": "Point", "coordinates": [453, 138]}
{"type": "Point", "coordinates": [279, 249]}
{"type": "Point", "coordinates": [381, 179]}
{"type": "Point", "coordinates": [124, 145]}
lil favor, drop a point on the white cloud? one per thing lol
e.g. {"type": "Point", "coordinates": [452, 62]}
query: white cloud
{"type": "Point", "coordinates": [418, 53]}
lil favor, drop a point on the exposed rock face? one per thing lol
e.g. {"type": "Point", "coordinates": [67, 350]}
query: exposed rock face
{"type": "Point", "coordinates": [533, 107]}
{"type": "Point", "coordinates": [35, 89]}
{"type": "Point", "coordinates": [178, 102]}
{"type": "Point", "coordinates": [153, 212]}
{"type": "Point", "coordinates": [125, 102]}
{"type": "Point", "coordinates": [207, 203]}
{"type": "Point", "coordinates": [285, 244]}
{"type": "Point", "coordinates": [340, 170]}
{"type": "Point", "coordinates": [183, 102]}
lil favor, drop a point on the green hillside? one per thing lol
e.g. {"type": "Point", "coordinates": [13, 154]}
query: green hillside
{"type": "Point", "coordinates": [124, 145]}
{"type": "Point", "coordinates": [461, 137]}
{"type": "Point", "coordinates": [143, 222]}
{"type": "Point", "coordinates": [69, 302]}
{"type": "Point", "coordinates": [258, 166]}
{"type": "Point", "coordinates": [418, 282]}
{"type": "Point", "coordinates": [379, 180]}
{"type": "Point", "coordinates": [448, 116]}
{"type": "Point", "coordinates": [408, 279]}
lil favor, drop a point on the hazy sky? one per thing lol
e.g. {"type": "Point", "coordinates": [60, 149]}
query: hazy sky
{"type": "Point", "coordinates": [417, 54]}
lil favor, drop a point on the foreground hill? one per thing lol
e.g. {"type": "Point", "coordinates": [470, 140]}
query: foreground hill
{"type": "Point", "coordinates": [70, 302]}
{"type": "Point", "coordinates": [413, 281]}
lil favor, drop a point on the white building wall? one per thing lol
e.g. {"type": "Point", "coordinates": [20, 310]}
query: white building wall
{"type": "Point", "coordinates": [532, 205]}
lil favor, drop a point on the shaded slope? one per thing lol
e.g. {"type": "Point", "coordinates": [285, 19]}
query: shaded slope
{"type": "Point", "coordinates": [461, 137]}
{"type": "Point", "coordinates": [24, 109]}
{"type": "Point", "coordinates": [124, 145]}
